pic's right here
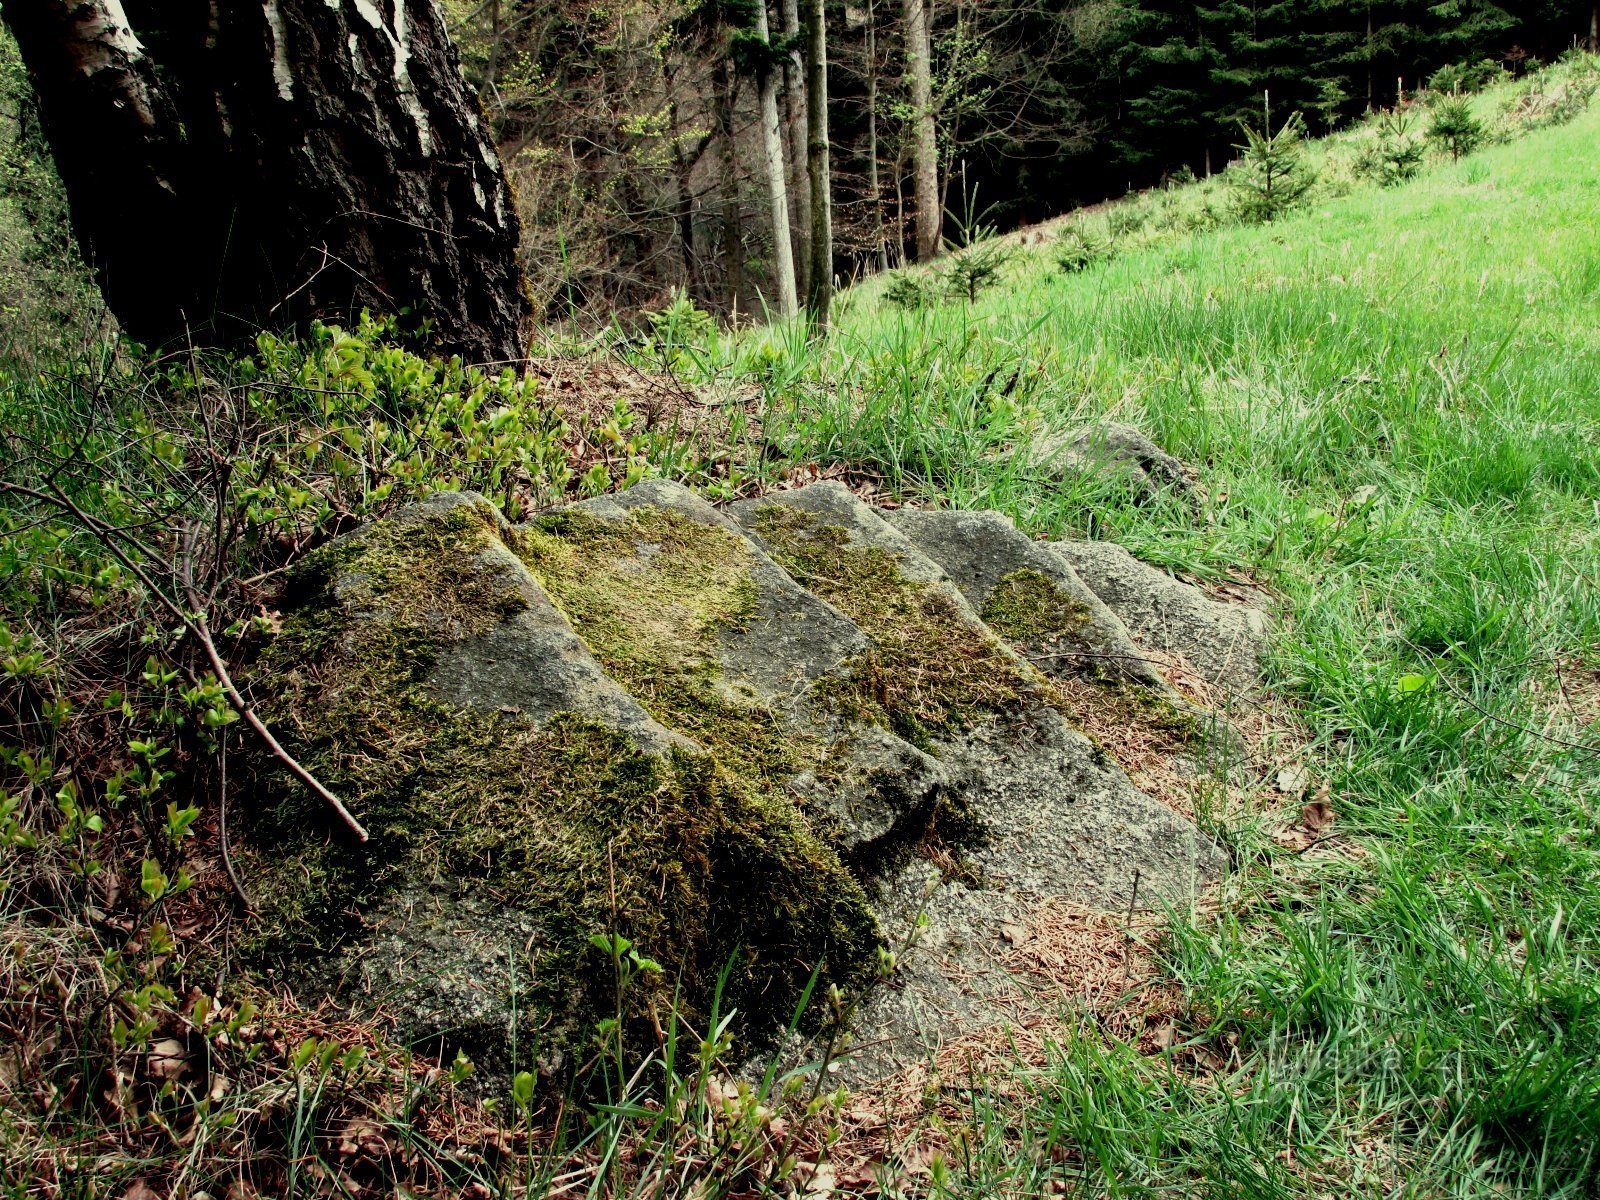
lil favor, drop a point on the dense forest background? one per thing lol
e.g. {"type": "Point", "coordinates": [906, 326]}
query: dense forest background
{"type": "Point", "coordinates": [632, 132]}
{"type": "Point", "coordinates": [632, 129]}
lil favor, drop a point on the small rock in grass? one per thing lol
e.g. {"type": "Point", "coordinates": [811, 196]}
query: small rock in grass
{"type": "Point", "coordinates": [1114, 448]}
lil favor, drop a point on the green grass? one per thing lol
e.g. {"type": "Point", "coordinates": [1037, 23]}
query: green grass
{"type": "Point", "coordinates": [1394, 402]}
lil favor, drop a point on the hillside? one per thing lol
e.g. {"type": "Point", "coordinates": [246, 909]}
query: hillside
{"type": "Point", "coordinates": [1393, 401]}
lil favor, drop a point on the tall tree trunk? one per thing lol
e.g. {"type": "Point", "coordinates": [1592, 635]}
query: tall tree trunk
{"type": "Point", "coordinates": [683, 202]}
{"type": "Point", "coordinates": [874, 182]}
{"type": "Point", "coordinates": [1369, 56]}
{"type": "Point", "coordinates": [728, 181]}
{"type": "Point", "coordinates": [497, 39]}
{"type": "Point", "coordinates": [819, 296]}
{"type": "Point", "coordinates": [795, 119]}
{"type": "Point", "coordinates": [924, 139]}
{"type": "Point", "coordinates": [777, 177]}
{"type": "Point", "coordinates": [1594, 29]}
{"type": "Point", "coordinates": [233, 165]}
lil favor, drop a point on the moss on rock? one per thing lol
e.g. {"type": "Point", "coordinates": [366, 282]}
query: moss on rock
{"type": "Point", "coordinates": [652, 596]}
{"type": "Point", "coordinates": [1028, 606]}
{"type": "Point", "coordinates": [930, 673]}
{"type": "Point", "coordinates": [578, 822]}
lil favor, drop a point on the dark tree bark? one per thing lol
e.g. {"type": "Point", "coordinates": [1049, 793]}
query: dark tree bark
{"type": "Point", "coordinates": [233, 165]}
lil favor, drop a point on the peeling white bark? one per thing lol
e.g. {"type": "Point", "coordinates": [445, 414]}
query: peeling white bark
{"type": "Point", "coordinates": [400, 44]}
{"type": "Point", "coordinates": [225, 219]}
{"type": "Point", "coordinates": [115, 31]}
{"type": "Point", "coordinates": [282, 74]}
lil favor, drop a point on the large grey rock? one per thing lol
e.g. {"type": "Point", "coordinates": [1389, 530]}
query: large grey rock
{"type": "Point", "coordinates": [780, 659]}
{"type": "Point", "coordinates": [520, 801]}
{"type": "Point", "coordinates": [788, 727]}
{"type": "Point", "coordinates": [1225, 643]}
{"type": "Point", "coordinates": [1061, 822]}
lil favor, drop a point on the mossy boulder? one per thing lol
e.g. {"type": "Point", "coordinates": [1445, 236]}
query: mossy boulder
{"type": "Point", "coordinates": [1059, 819]}
{"type": "Point", "coordinates": [723, 646]}
{"type": "Point", "coordinates": [520, 802]}
{"type": "Point", "coordinates": [772, 735]}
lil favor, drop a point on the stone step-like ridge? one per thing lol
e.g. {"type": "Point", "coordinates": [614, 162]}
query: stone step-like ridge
{"type": "Point", "coordinates": [1062, 823]}
{"type": "Point", "coordinates": [782, 655]}
{"type": "Point", "coordinates": [841, 667]}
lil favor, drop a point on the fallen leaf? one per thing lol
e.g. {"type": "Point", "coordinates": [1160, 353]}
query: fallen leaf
{"type": "Point", "coordinates": [822, 1181]}
{"type": "Point", "coordinates": [362, 1136]}
{"type": "Point", "coordinates": [1317, 816]}
{"type": "Point", "coordinates": [1294, 780]}
{"type": "Point", "coordinates": [167, 1059]}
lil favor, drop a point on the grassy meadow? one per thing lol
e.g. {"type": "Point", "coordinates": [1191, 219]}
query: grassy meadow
{"type": "Point", "coordinates": [1393, 398]}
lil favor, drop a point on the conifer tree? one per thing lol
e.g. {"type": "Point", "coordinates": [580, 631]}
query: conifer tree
{"type": "Point", "coordinates": [1273, 175]}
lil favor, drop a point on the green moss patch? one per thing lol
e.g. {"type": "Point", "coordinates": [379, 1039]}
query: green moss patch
{"type": "Point", "coordinates": [570, 821]}
{"type": "Point", "coordinates": [930, 673]}
{"type": "Point", "coordinates": [652, 597]}
{"type": "Point", "coordinates": [1028, 606]}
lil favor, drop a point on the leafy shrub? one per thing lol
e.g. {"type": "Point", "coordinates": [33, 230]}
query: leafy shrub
{"type": "Point", "coordinates": [977, 269]}
{"type": "Point", "coordinates": [1454, 127]}
{"type": "Point", "coordinates": [1543, 105]}
{"type": "Point", "coordinates": [355, 425]}
{"type": "Point", "coordinates": [911, 290]}
{"type": "Point", "coordinates": [1203, 217]}
{"type": "Point", "coordinates": [1273, 176]}
{"type": "Point", "coordinates": [678, 329]}
{"type": "Point", "coordinates": [1331, 98]}
{"type": "Point", "coordinates": [1182, 177]}
{"type": "Point", "coordinates": [1124, 220]}
{"type": "Point", "coordinates": [1394, 154]}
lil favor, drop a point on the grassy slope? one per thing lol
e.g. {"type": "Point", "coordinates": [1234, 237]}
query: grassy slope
{"type": "Point", "coordinates": [1421, 1017]}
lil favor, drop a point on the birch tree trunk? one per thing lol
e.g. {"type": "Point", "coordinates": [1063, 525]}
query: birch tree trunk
{"type": "Point", "coordinates": [233, 165]}
{"type": "Point", "coordinates": [819, 169]}
{"type": "Point", "coordinates": [874, 182]}
{"type": "Point", "coordinates": [728, 184]}
{"type": "Point", "coordinates": [924, 138]}
{"type": "Point", "coordinates": [777, 178]}
{"type": "Point", "coordinates": [795, 121]}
